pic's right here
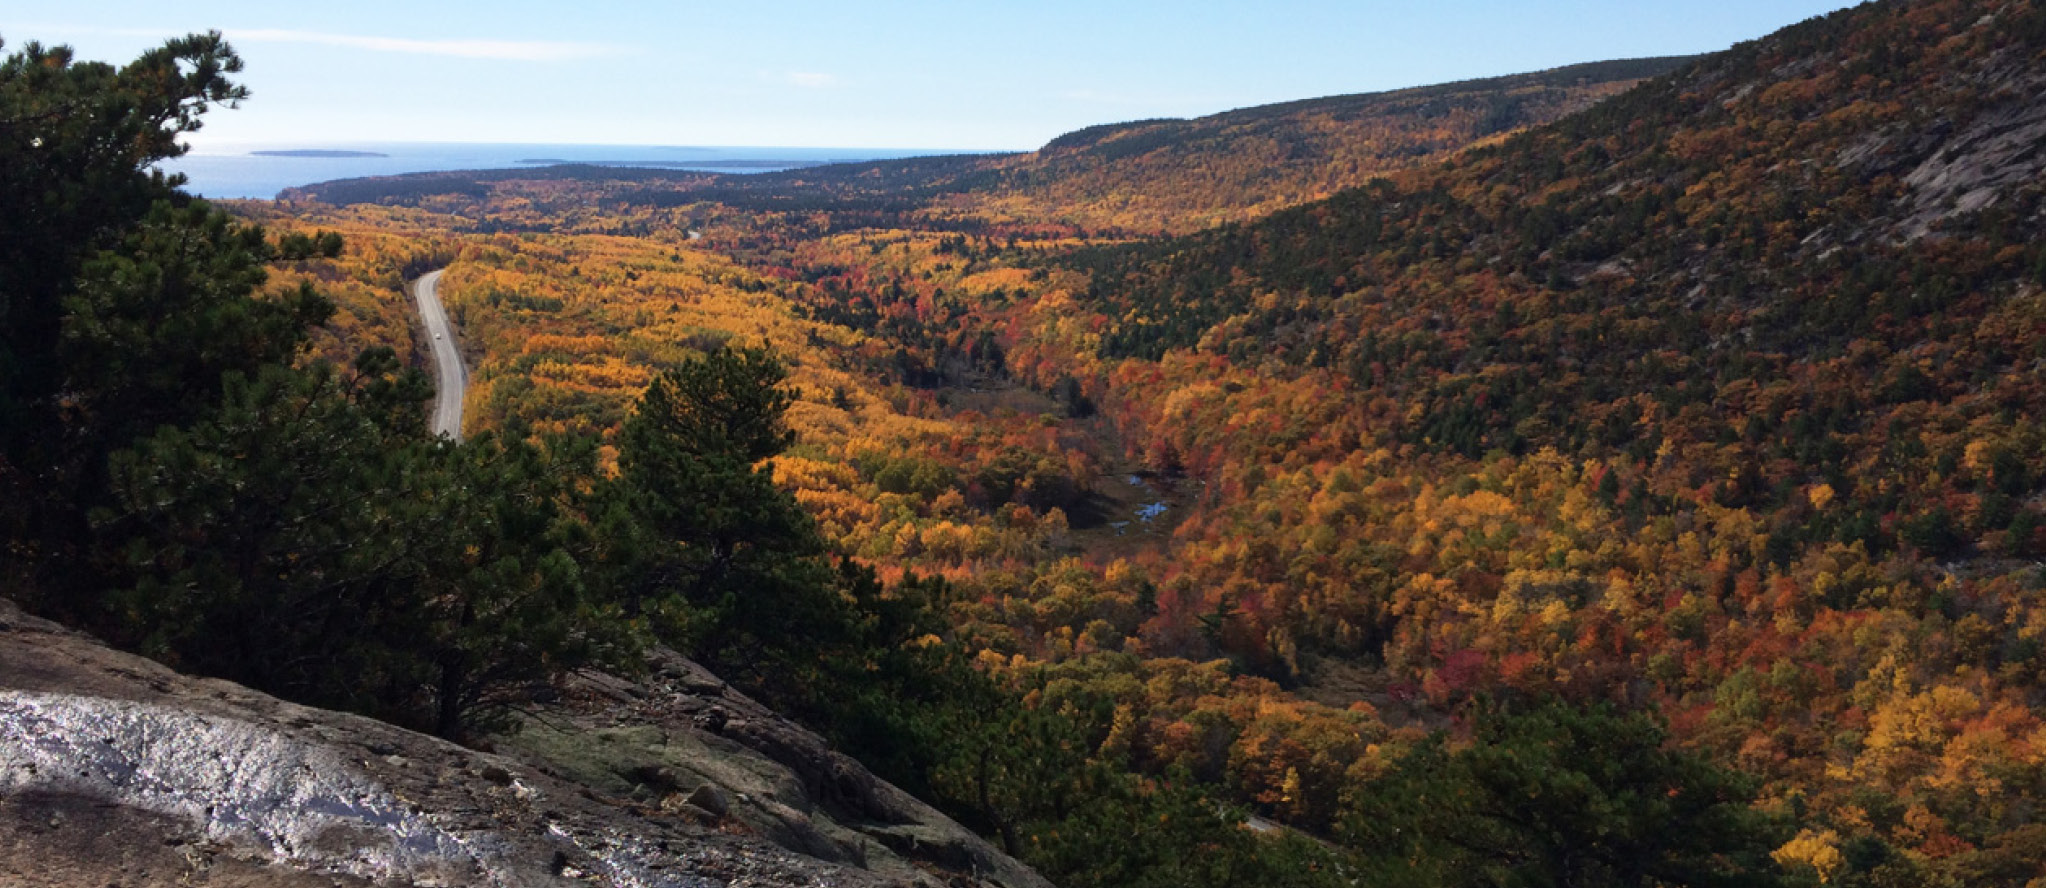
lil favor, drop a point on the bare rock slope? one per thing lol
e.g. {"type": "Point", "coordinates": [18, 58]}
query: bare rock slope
{"type": "Point", "coordinates": [117, 771]}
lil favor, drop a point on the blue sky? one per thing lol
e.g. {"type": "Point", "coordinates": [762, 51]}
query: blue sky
{"type": "Point", "coordinates": [891, 74]}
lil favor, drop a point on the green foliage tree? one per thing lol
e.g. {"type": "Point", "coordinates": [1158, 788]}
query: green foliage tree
{"type": "Point", "coordinates": [297, 543]}
{"type": "Point", "coordinates": [1133, 832]}
{"type": "Point", "coordinates": [1554, 795]}
{"type": "Point", "coordinates": [1036, 778]}
{"type": "Point", "coordinates": [152, 326]}
{"type": "Point", "coordinates": [123, 302]}
{"type": "Point", "coordinates": [699, 537]}
{"type": "Point", "coordinates": [884, 685]}
{"type": "Point", "coordinates": [76, 139]}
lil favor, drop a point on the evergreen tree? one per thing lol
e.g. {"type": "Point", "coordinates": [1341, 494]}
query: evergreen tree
{"type": "Point", "coordinates": [123, 302]}
{"type": "Point", "coordinates": [700, 539]}
{"type": "Point", "coordinates": [1557, 796]}
{"type": "Point", "coordinates": [300, 543]}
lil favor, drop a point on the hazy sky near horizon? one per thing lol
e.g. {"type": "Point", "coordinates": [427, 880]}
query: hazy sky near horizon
{"type": "Point", "coordinates": [889, 74]}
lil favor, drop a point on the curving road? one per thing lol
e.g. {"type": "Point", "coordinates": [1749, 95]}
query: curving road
{"type": "Point", "coordinates": [449, 376]}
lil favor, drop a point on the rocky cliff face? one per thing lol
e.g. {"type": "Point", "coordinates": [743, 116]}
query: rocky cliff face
{"type": "Point", "coordinates": [117, 771]}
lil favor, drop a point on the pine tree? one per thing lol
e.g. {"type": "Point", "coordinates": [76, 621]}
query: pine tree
{"type": "Point", "coordinates": [700, 538]}
{"type": "Point", "coordinates": [123, 301]}
{"type": "Point", "coordinates": [311, 540]}
{"type": "Point", "coordinates": [1554, 795]}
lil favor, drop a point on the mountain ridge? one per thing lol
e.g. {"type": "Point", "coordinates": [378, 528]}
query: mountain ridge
{"type": "Point", "coordinates": [1181, 174]}
{"type": "Point", "coordinates": [1720, 399]}
{"type": "Point", "coordinates": [1579, 74]}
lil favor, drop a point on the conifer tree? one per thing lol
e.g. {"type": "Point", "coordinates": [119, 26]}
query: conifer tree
{"type": "Point", "coordinates": [702, 535]}
{"type": "Point", "coordinates": [123, 301]}
{"type": "Point", "coordinates": [1553, 795]}
{"type": "Point", "coordinates": [311, 540]}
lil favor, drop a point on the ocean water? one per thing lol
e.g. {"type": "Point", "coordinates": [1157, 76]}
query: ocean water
{"type": "Point", "coordinates": [239, 171]}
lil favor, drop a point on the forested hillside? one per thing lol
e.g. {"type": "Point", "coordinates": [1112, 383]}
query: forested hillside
{"type": "Point", "coordinates": [1181, 175]}
{"type": "Point", "coordinates": [1714, 400]}
{"type": "Point", "coordinates": [192, 474]}
{"type": "Point", "coordinates": [1149, 176]}
{"type": "Point", "coordinates": [1722, 395]}
{"type": "Point", "coordinates": [1718, 397]}
{"type": "Point", "coordinates": [1652, 496]}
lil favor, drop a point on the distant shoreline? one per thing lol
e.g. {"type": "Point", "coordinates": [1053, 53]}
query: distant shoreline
{"type": "Point", "coordinates": [316, 152]}
{"type": "Point", "coordinates": [736, 163]}
{"type": "Point", "coordinates": [260, 170]}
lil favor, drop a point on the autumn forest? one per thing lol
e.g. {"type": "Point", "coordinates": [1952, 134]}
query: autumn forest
{"type": "Point", "coordinates": [1629, 474]}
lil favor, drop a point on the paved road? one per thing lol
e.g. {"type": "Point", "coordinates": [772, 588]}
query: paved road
{"type": "Point", "coordinates": [449, 376]}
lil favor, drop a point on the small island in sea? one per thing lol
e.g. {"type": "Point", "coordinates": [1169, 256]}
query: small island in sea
{"type": "Point", "coordinates": [316, 152]}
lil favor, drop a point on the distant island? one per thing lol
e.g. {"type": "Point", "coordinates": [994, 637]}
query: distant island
{"type": "Point", "coordinates": [316, 152]}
